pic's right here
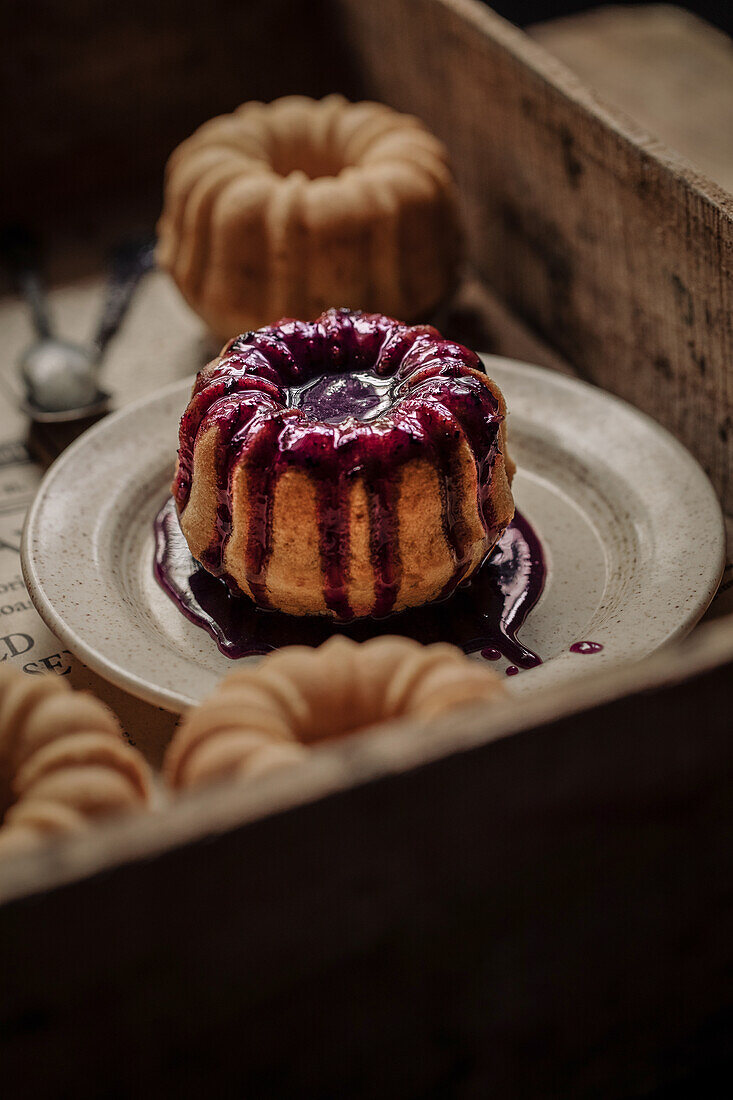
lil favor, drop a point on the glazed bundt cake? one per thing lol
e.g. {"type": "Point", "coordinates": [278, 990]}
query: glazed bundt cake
{"type": "Point", "coordinates": [280, 209]}
{"type": "Point", "coordinates": [263, 717]}
{"type": "Point", "coordinates": [349, 466]}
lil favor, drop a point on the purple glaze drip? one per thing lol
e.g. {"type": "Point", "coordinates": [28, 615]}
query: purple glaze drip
{"type": "Point", "coordinates": [350, 394]}
{"type": "Point", "coordinates": [586, 647]}
{"type": "Point", "coordinates": [512, 670]}
{"type": "Point", "coordinates": [485, 614]}
{"type": "Point", "coordinates": [491, 654]}
{"type": "Point", "coordinates": [332, 502]}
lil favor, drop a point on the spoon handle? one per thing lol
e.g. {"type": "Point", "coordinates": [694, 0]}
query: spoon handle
{"type": "Point", "coordinates": [129, 262]}
{"type": "Point", "coordinates": [20, 253]}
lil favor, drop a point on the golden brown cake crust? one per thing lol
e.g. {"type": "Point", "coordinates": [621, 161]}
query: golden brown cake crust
{"type": "Point", "coordinates": [63, 759]}
{"type": "Point", "coordinates": [282, 209]}
{"type": "Point", "coordinates": [263, 717]}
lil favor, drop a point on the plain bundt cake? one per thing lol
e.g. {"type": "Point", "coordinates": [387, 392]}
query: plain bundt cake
{"type": "Point", "coordinates": [261, 718]}
{"type": "Point", "coordinates": [350, 466]}
{"type": "Point", "coordinates": [63, 759]}
{"type": "Point", "coordinates": [280, 209]}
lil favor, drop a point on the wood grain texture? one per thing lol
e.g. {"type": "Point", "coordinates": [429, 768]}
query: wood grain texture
{"type": "Point", "coordinates": [542, 914]}
{"type": "Point", "coordinates": [669, 71]}
{"type": "Point", "coordinates": [602, 240]}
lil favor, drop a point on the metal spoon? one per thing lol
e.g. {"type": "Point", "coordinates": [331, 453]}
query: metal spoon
{"type": "Point", "coordinates": [57, 374]}
{"type": "Point", "coordinates": [61, 378]}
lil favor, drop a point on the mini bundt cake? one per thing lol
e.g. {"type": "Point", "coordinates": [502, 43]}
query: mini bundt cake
{"type": "Point", "coordinates": [350, 466]}
{"type": "Point", "coordinates": [63, 759]}
{"type": "Point", "coordinates": [261, 718]}
{"type": "Point", "coordinates": [281, 209]}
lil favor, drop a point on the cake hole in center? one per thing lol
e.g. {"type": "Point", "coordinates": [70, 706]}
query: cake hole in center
{"type": "Point", "coordinates": [315, 161]}
{"type": "Point", "coordinates": [333, 398]}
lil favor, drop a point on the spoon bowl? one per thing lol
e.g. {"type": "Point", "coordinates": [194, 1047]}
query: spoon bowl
{"type": "Point", "coordinates": [60, 378]}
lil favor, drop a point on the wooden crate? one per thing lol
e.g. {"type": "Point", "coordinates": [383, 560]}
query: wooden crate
{"type": "Point", "coordinates": [532, 901]}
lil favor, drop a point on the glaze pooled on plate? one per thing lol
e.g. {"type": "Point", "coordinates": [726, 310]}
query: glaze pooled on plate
{"type": "Point", "coordinates": [485, 615]}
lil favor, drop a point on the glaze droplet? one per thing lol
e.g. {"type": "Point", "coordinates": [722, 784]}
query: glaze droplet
{"type": "Point", "coordinates": [512, 670]}
{"type": "Point", "coordinates": [586, 647]}
{"type": "Point", "coordinates": [491, 654]}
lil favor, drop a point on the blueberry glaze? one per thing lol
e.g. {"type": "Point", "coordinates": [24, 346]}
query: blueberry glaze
{"type": "Point", "coordinates": [485, 614]}
{"type": "Point", "coordinates": [333, 398]}
{"type": "Point", "coordinates": [350, 394]}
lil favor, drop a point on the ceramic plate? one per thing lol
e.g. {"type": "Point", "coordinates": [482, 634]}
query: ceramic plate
{"type": "Point", "coordinates": [631, 529]}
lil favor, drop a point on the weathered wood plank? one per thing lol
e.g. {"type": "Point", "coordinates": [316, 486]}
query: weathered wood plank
{"type": "Point", "coordinates": [666, 69]}
{"type": "Point", "coordinates": [543, 913]}
{"type": "Point", "coordinates": [613, 250]}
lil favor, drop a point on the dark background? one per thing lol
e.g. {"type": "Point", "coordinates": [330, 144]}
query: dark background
{"type": "Point", "coordinates": [718, 12]}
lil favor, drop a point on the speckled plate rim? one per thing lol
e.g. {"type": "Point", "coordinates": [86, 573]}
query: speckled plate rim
{"type": "Point", "coordinates": [43, 545]}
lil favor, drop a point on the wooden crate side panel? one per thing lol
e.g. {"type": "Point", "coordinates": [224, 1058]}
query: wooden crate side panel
{"type": "Point", "coordinates": [553, 907]}
{"type": "Point", "coordinates": [663, 66]}
{"type": "Point", "coordinates": [618, 255]}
